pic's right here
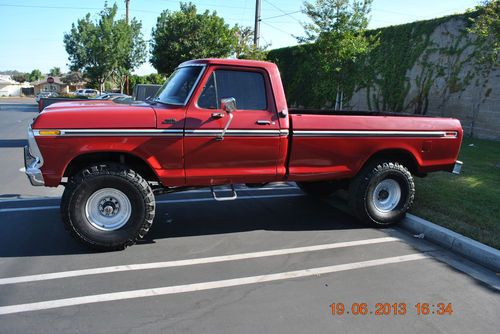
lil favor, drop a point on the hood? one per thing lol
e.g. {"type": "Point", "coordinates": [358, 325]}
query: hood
{"type": "Point", "coordinates": [78, 104]}
{"type": "Point", "coordinates": [96, 115]}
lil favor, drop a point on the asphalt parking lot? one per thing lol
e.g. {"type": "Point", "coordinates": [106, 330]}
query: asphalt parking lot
{"type": "Point", "coordinates": [272, 262]}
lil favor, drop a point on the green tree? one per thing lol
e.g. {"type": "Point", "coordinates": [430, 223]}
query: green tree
{"type": "Point", "coordinates": [245, 48]}
{"type": "Point", "coordinates": [106, 47]}
{"type": "Point", "coordinates": [338, 30]}
{"type": "Point", "coordinates": [72, 78]}
{"type": "Point", "coordinates": [186, 34]}
{"type": "Point", "coordinates": [133, 50]}
{"type": "Point", "coordinates": [20, 77]}
{"type": "Point", "coordinates": [153, 78]}
{"type": "Point", "coordinates": [35, 75]}
{"type": "Point", "coordinates": [486, 28]}
{"type": "Point", "coordinates": [55, 72]}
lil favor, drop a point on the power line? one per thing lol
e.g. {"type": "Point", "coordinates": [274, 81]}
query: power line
{"type": "Point", "coordinates": [69, 7]}
{"type": "Point", "coordinates": [284, 13]}
{"type": "Point", "coordinates": [245, 8]}
{"type": "Point", "coordinates": [283, 31]}
{"type": "Point", "coordinates": [208, 4]}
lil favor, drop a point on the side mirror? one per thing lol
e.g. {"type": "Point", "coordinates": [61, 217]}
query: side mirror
{"type": "Point", "coordinates": [228, 104]}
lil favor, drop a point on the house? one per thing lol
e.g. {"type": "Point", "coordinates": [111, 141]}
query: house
{"type": "Point", "coordinates": [9, 87]}
{"type": "Point", "coordinates": [55, 84]}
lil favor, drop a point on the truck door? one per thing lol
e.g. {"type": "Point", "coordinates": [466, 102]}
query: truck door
{"type": "Point", "coordinates": [249, 149]}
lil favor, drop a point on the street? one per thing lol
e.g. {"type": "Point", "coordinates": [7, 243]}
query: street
{"type": "Point", "coordinates": [272, 261]}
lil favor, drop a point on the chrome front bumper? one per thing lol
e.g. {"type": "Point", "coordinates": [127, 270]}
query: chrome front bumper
{"type": "Point", "coordinates": [34, 174]}
{"type": "Point", "coordinates": [457, 168]}
{"type": "Point", "coordinates": [33, 161]}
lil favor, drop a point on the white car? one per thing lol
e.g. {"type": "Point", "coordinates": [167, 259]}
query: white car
{"type": "Point", "coordinates": [109, 96]}
{"type": "Point", "coordinates": [86, 92]}
{"type": "Point", "coordinates": [45, 95]}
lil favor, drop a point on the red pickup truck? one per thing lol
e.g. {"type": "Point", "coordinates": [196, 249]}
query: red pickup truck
{"type": "Point", "coordinates": [221, 121]}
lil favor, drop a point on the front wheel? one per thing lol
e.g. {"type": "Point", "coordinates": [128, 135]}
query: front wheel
{"type": "Point", "coordinates": [382, 193]}
{"type": "Point", "coordinates": [108, 206]}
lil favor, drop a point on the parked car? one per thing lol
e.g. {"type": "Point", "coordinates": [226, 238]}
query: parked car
{"type": "Point", "coordinates": [226, 121]}
{"type": "Point", "coordinates": [144, 92]}
{"type": "Point", "coordinates": [123, 99]}
{"type": "Point", "coordinates": [113, 96]}
{"type": "Point", "coordinates": [45, 95]}
{"type": "Point", "coordinates": [86, 92]}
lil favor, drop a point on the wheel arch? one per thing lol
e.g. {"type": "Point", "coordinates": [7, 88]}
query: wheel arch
{"type": "Point", "coordinates": [402, 156]}
{"type": "Point", "coordinates": [134, 162]}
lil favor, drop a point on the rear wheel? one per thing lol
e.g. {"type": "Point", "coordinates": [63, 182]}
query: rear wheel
{"type": "Point", "coordinates": [382, 193]}
{"type": "Point", "coordinates": [108, 206]}
{"type": "Point", "coordinates": [318, 188]}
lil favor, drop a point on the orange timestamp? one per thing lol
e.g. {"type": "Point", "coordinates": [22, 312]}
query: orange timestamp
{"type": "Point", "coordinates": [382, 309]}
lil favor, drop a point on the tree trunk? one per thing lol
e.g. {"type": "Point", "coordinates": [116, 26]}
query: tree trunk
{"type": "Point", "coordinates": [338, 103]}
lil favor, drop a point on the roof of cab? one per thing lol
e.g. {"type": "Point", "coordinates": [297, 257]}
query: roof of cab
{"type": "Point", "coordinates": [230, 62]}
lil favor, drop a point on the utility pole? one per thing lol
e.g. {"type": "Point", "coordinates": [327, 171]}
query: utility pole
{"type": "Point", "coordinates": [127, 3]}
{"type": "Point", "coordinates": [256, 31]}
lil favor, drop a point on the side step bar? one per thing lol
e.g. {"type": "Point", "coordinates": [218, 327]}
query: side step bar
{"type": "Point", "coordinates": [232, 197]}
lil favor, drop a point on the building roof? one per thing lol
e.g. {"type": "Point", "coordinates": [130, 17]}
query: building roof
{"type": "Point", "coordinates": [7, 80]}
{"type": "Point", "coordinates": [57, 81]}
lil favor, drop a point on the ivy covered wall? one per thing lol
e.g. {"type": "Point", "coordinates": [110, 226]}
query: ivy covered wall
{"type": "Point", "coordinates": [425, 67]}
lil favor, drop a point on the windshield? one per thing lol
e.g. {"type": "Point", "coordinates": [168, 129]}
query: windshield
{"type": "Point", "coordinates": [179, 85]}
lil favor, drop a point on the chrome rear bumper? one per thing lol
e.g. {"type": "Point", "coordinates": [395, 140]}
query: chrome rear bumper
{"type": "Point", "coordinates": [457, 169]}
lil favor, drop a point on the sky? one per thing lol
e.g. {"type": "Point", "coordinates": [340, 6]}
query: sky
{"type": "Point", "coordinates": [31, 31]}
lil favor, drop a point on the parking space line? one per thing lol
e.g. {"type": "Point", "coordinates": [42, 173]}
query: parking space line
{"type": "Point", "coordinates": [190, 262]}
{"type": "Point", "coordinates": [161, 291]}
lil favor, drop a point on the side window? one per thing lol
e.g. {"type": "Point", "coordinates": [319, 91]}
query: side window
{"type": "Point", "coordinates": [248, 88]}
{"type": "Point", "coordinates": [208, 98]}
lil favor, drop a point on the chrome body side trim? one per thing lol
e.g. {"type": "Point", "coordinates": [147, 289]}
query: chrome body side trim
{"type": "Point", "coordinates": [117, 132]}
{"type": "Point", "coordinates": [242, 132]}
{"type": "Point", "coordinates": [164, 132]}
{"type": "Point", "coordinates": [369, 133]}
{"type": "Point", "coordinates": [237, 133]}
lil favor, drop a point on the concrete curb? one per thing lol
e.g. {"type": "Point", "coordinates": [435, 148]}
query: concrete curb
{"type": "Point", "coordinates": [471, 249]}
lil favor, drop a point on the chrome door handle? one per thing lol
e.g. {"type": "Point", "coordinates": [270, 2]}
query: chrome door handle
{"type": "Point", "coordinates": [217, 115]}
{"type": "Point", "coordinates": [263, 122]}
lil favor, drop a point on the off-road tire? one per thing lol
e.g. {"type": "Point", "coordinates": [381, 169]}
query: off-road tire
{"type": "Point", "coordinates": [107, 175]}
{"type": "Point", "coordinates": [361, 193]}
{"type": "Point", "coordinates": [318, 188]}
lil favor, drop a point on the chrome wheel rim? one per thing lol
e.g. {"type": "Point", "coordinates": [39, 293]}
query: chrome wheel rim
{"type": "Point", "coordinates": [108, 209]}
{"type": "Point", "coordinates": [386, 195]}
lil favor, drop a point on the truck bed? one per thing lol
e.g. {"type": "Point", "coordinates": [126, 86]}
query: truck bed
{"type": "Point", "coordinates": [337, 145]}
